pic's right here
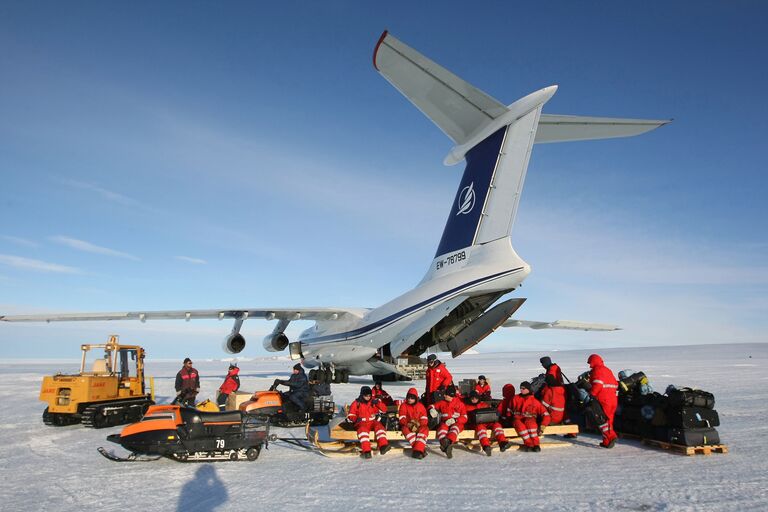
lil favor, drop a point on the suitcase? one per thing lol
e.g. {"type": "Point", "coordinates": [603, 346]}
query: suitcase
{"type": "Point", "coordinates": [692, 417]}
{"type": "Point", "coordinates": [486, 415]}
{"type": "Point", "coordinates": [689, 436]}
{"type": "Point", "coordinates": [687, 397]}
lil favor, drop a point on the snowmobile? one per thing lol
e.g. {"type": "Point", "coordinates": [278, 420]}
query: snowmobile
{"type": "Point", "coordinates": [284, 413]}
{"type": "Point", "coordinates": [187, 434]}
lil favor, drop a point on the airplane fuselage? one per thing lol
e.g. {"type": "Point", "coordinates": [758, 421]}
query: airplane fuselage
{"type": "Point", "coordinates": [493, 268]}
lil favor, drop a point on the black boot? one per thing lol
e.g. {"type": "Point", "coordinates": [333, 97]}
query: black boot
{"type": "Point", "coordinates": [488, 450]}
{"type": "Point", "coordinates": [504, 446]}
{"type": "Point", "coordinates": [384, 449]}
{"type": "Point", "coordinates": [444, 442]}
{"type": "Point", "coordinates": [536, 448]}
{"type": "Point", "coordinates": [449, 450]}
{"type": "Point", "coordinates": [366, 455]}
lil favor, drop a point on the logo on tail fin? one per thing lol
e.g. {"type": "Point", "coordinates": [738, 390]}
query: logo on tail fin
{"type": "Point", "coordinates": [466, 199]}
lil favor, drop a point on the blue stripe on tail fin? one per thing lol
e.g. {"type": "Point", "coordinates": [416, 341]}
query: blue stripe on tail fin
{"type": "Point", "coordinates": [461, 228]}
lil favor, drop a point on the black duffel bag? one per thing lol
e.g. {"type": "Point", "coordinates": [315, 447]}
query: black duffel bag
{"type": "Point", "coordinates": [687, 397]}
{"type": "Point", "coordinates": [595, 414]}
{"type": "Point", "coordinates": [688, 436]}
{"type": "Point", "coordinates": [692, 417]}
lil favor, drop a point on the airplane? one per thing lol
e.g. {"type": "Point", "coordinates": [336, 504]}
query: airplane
{"type": "Point", "coordinates": [456, 304]}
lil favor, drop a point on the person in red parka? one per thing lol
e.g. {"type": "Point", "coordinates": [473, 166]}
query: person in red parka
{"type": "Point", "coordinates": [604, 389]}
{"type": "Point", "coordinates": [473, 403]}
{"type": "Point", "coordinates": [552, 369]}
{"type": "Point", "coordinates": [413, 420]}
{"type": "Point", "coordinates": [381, 395]}
{"type": "Point", "coordinates": [527, 411]}
{"type": "Point", "coordinates": [363, 416]}
{"type": "Point", "coordinates": [230, 385]}
{"type": "Point", "coordinates": [453, 417]}
{"type": "Point", "coordinates": [438, 378]}
{"type": "Point", "coordinates": [483, 388]}
{"type": "Point", "coordinates": [506, 407]}
{"type": "Point", "coordinates": [553, 398]}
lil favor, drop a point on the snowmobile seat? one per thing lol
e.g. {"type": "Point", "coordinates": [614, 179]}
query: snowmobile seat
{"type": "Point", "coordinates": [191, 416]}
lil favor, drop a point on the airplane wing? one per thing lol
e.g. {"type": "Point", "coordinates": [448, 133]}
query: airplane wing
{"type": "Point", "coordinates": [562, 324]}
{"type": "Point", "coordinates": [461, 110]}
{"type": "Point", "coordinates": [189, 314]}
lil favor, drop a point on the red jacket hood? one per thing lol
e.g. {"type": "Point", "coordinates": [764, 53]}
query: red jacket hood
{"type": "Point", "coordinates": [508, 391]}
{"type": "Point", "coordinates": [595, 360]}
{"type": "Point", "coordinates": [413, 391]}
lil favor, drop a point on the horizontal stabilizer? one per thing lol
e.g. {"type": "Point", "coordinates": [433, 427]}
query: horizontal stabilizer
{"type": "Point", "coordinates": [556, 128]}
{"type": "Point", "coordinates": [189, 314]}
{"type": "Point", "coordinates": [464, 112]}
{"type": "Point", "coordinates": [562, 324]}
{"type": "Point", "coordinates": [458, 108]}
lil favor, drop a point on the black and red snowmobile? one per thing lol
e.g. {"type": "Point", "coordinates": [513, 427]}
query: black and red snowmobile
{"type": "Point", "coordinates": [187, 434]}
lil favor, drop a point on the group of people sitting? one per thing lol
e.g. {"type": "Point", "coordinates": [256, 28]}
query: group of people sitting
{"type": "Point", "coordinates": [523, 411]}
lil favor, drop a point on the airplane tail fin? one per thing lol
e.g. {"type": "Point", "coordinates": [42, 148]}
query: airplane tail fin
{"type": "Point", "coordinates": [494, 139]}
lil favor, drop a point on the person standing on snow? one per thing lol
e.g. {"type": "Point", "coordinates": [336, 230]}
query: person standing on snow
{"type": "Point", "coordinates": [553, 398]}
{"type": "Point", "coordinates": [230, 385]}
{"type": "Point", "coordinates": [552, 369]}
{"type": "Point", "coordinates": [473, 403]}
{"type": "Point", "coordinates": [438, 378]}
{"type": "Point", "coordinates": [527, 411]}
{"type": "Point", "coordinates": [412, 416]}
{"type": "Point", "coordinates": [605, 389]}
{"type": "Point", "coordinates": [363, 417]}
{"type": "Point", "coordinates": [187, 384]}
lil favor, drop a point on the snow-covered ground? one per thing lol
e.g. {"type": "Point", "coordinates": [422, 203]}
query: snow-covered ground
{"type": "Point", "coordinates": [47, 468]}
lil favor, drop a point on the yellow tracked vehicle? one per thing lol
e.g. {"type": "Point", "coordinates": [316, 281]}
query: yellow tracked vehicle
{"type": "Point", "coordinates": [109, 390]}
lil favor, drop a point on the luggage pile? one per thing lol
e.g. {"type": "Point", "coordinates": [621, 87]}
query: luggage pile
{"type": "Point", "coordinates": [681, 416]}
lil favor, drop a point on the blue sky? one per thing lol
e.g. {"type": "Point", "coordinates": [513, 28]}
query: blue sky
{"type": "Point", "coordinates": [205, 155]}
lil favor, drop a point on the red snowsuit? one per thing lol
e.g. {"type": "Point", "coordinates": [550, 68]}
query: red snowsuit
{"type": "Point", "coordinates": [363, 416]}
{"type": "Point", "coordinates": [438, 377]}
{"type": "Point", "coordinates": [483, 391]}
{"type": "Point", "coordinates": [555, 371]}
{"type": "Point", "coordinates": [481, 429]}
{"type": "Point", "coordinates": [382, 395]}
{"type": "Point", "coordinates": [416, 412]}
{"type": "Point", "coordinates": [505, 407]}
{"type": "Point", "coordinates": [230, 384]}
{"type": "Point", "coordinates": [605, 389]}
{"type": "Point", "coordinates": [553, 398]}
{"type": "Point", "coordinates": [451, 409]}
{"type": "Point", "coordinates": [527, 410]}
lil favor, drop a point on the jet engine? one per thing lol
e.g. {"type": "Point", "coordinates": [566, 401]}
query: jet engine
{"type": "Point", "coordinates": [276, 342]}
{"type": "Point", "coordinates": [234, 343]}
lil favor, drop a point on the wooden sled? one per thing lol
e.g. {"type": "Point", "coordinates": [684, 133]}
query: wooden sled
{"type": "Point", "coordinates": [340, 434]}
{"type": "Point", "coordinates": [344, 442]}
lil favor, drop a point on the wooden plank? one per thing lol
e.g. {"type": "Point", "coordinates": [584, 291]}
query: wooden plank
{"type": "Point", "coordinates": [340, 434]}
{"type": "Point", "coordinates": [687, 450]}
